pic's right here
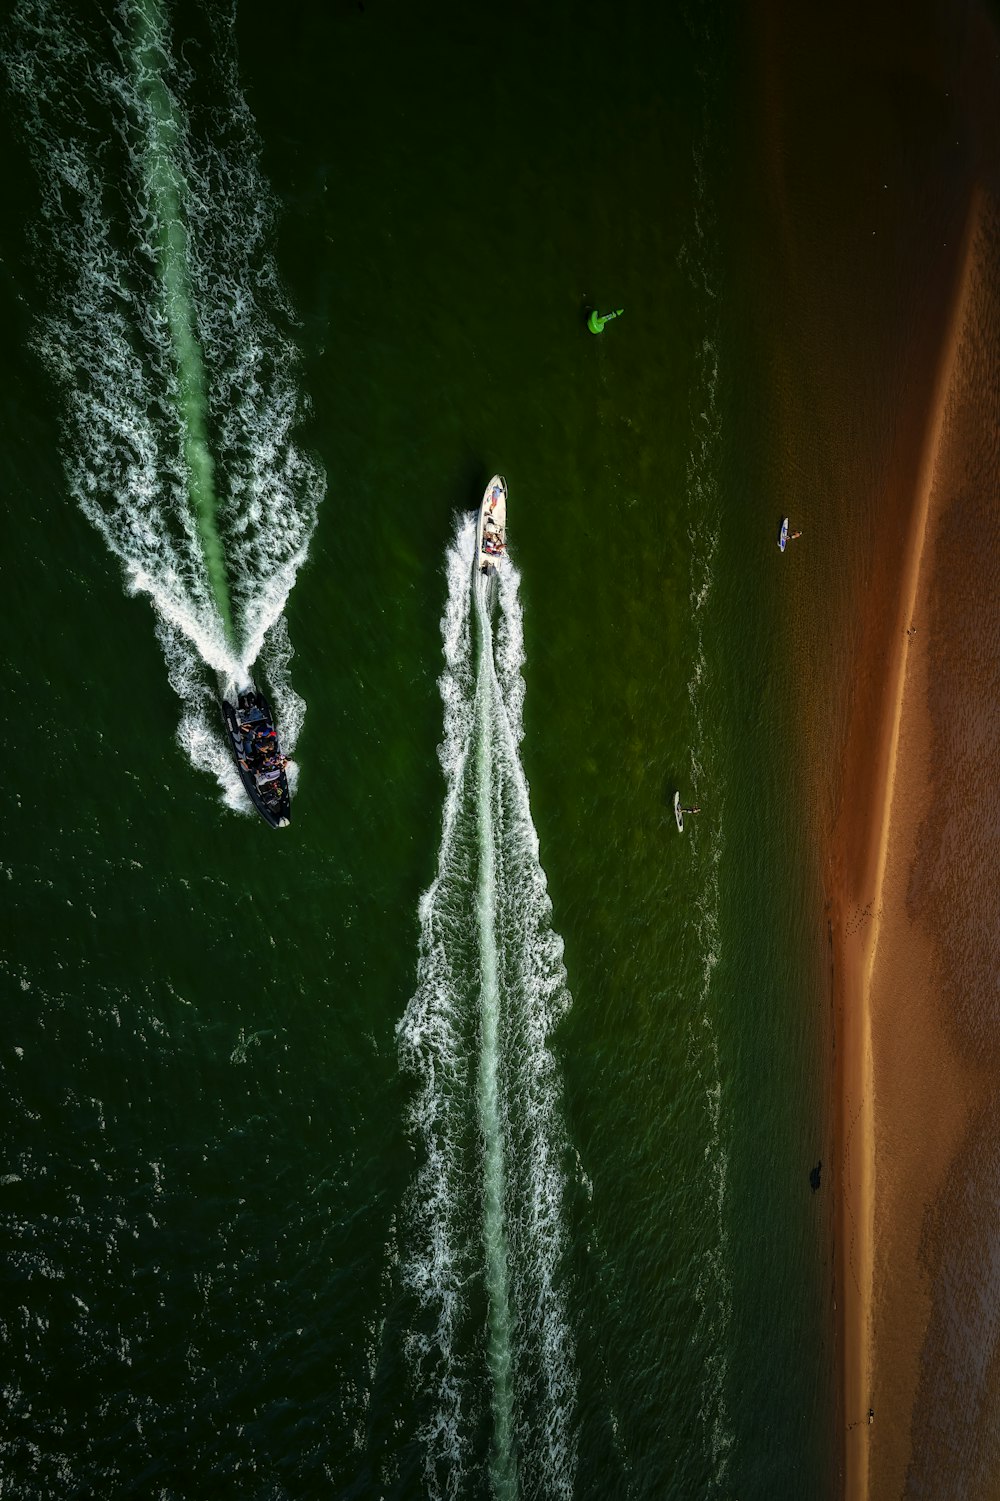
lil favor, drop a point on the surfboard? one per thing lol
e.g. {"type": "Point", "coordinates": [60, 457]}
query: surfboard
{"type": "Point", "coordinates": [783, 535]}
{"type": "Point", "coordinates": [678, 811]}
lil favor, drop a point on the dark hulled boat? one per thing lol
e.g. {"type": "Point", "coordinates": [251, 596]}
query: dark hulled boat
{"type": "Point", "coordinates": [257, 753]}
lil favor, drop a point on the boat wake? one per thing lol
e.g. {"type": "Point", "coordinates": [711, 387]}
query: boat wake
{"type": "Point", "coordinates": [169, 336]}
{"type": "Point", "coordinates": [485, 1235]}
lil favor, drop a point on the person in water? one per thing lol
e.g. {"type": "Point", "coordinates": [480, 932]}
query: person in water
{"type": "Point", "coordinates": [793, 535]}
{"type": "Point", "coordinates": [690, 810]}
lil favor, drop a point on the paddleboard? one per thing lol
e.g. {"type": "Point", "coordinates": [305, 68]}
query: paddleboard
{"type": "Point", "coordinates": [783, 538]}
{"type": "Point", "coordinates": [678, 811]}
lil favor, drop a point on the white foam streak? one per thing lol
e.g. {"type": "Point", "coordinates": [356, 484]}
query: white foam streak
{"type": "Point", "coordinates": [714, 1283]}
{"type": "Point", "coordinates": [491, 1106]}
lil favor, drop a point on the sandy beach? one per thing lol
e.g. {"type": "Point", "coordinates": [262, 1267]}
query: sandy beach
{"type": "Point", "coordinates": [892, 455]}
{"type": "Point", "coordinates": [904, 1093]}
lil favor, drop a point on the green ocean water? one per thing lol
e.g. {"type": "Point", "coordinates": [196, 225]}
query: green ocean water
{"type": "Point", "coordinates": [213, 1202]}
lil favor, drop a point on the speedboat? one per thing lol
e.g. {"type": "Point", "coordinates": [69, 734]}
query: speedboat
{"type": "Point", "coordinates": [491, 533]}
{"type": "Point", "coordinates": [257, 753]}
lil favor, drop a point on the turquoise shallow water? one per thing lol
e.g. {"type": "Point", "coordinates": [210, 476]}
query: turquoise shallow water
{"type": "Point", "coordinates": [212, 1191]}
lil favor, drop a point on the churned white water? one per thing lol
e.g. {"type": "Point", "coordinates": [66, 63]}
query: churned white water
{"type": "Point", "coordinates": [486, 1234]}
{"type": "Point", "coordinates": [167, 332]}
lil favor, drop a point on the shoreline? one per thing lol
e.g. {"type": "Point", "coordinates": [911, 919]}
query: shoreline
{"type": "Point", "coordinates": [868, 914]}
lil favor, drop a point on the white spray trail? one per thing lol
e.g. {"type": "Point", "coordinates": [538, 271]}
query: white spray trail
{"type": "Point", "coordinates": [500, 1342]}
{"type": "Point", "coordinates": [485, 1217]}
{"type": "Point", "coordinates": [166, 191]}
{"type": "Point", "coordinates": [167, 332]}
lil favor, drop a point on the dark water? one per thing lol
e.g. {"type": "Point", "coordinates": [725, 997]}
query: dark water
{"type": "Point", "coordinates": [216, 1198]}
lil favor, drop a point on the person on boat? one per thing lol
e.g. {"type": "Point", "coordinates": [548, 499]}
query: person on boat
{"type": "Point", "coordinates": [793, 535]}
{"type": "Point", "coordinates": [274, 766]}
{"type": "Point", "coordinates": [690, 810]}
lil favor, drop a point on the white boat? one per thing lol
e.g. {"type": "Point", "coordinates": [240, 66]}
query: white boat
{"type": "Point", "coordinates": [678, 811]}
{"type": "Point", "coordinates": [783, 535]}
{"type": "Point", "coordinates": [491, 533]}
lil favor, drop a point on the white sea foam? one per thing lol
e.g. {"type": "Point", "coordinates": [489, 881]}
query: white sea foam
{"type": "Point", "coordinates": [486, 1209]}
{"type": "Point", "coordinates": [155, 348]}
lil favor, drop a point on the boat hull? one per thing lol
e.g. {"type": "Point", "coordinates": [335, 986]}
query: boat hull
{"type": "Point", "coordinates": [271, 799]}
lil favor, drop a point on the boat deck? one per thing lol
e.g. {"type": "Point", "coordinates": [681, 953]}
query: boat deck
{"type": "Point", "coordinates": [491, 537]}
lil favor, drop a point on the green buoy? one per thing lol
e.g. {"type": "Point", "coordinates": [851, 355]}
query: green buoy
{"type": "Point", "coordinates": [597, 320]}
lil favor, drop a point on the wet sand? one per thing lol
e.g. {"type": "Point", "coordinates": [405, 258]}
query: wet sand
{"type": "Point", "coordinates": [901, 1106]}
{"type": "Point", "coordinates": [935, 1362]}
{"type": "Point", "coordinates": [880, 316]}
